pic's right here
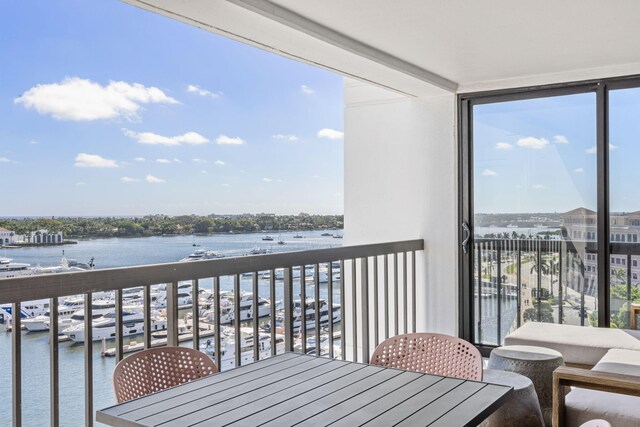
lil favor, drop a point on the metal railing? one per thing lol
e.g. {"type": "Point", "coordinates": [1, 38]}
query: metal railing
{"type": "Point", "coordinates": [377, 283]}
{"type": "Point", "coordinates": [520, 280]}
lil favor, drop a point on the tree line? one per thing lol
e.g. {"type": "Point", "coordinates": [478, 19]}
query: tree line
{"type": "Point", "coordinates": [158, 225]}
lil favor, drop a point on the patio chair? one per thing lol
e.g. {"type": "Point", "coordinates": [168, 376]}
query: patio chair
{"type": "Point", "coordinates": [430, 353]}
{"type": "Point", "coordinates": [156, 369]}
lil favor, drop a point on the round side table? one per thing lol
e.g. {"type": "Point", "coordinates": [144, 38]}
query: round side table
{"type": "Point", "coordinates": [522, 409]}
{"type": "Point", "coordinates": [535, 363]}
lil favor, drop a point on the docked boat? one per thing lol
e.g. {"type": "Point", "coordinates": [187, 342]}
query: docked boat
{"type": "Point", "coordinates": [10, 269]}
{"type": "Point", "coordinates": [202, 254]}
{"type": "Point", "coordinates": [298, 236]}
{"type": "Point", "coordinates": [267, 238]}
{"type": "Point", "coordinates": [259, 251]}
{"type": "Point", "coordinates": [310, 314]}
{"type": "Point", "coordinates": [105, 328]}
{"type": "Point", "coordinates": [65, 311]}
{"type": "Point", "coordinates": [227, 307]}
{"type": "Point", "coordinates": [247, 341]}
{"type": "Point", "coordinates": [27, 309]}
{"type": "Point", "coordinates": [326, 234]}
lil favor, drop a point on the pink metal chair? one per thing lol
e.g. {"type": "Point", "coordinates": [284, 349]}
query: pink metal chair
{"type": "Point", "coordinates": [156, 369]}
{"type": "Point", "coordinates": [436, 354]}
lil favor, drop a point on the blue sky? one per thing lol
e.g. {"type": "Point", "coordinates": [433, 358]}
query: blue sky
{"type": "Point", "coordinates": [106, 109]}
{"type": "Point", "coordinates": [539, 155]}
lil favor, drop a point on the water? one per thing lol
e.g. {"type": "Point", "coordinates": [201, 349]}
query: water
{"type": "Point", "coordinates": [117, 252]}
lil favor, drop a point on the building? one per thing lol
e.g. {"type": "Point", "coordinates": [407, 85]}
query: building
{"type": "Point", "coordinates": [7, 237]}
{"type": "Point", "coordinates": [43, 237]}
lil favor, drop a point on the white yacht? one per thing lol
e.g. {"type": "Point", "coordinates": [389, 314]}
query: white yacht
{"type": "Point", "coordinates": [65, 311]}
{"type": "Point", "coordinates": [10, 269]}
{"type": "Point", "coordinates": [228, 348]}
{"type": "Point", "coordinates": [200, 254]}
{"type": "Point", "coordinates": [105, 328]}
{"type": "Point", "coordinates": [310, 314]}
{"type": "Point", "coordinates": [227, 309]}
{"type": "Point", "coordinates": [28, 309]}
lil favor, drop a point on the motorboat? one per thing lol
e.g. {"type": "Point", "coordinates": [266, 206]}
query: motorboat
{"type": "Point", "coordinates": [202, 254]}
{"type": "Point", "coordinates": [10, 269]}
{"type": "Point", "coordinates": [227, 307]}
{"type": "Point", "coordinates": [267, 238]}
{"type": "Point", "coordinates": [247, 342]}
{"type": "Point", "coordinates": [65, 311]}
{"type": "Point", "coordinates": [310, 314]}
{"type": "Point", "coordinates": [105, 328]}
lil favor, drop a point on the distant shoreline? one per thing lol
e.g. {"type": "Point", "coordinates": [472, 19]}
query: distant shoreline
{"type": "Point", "coordinates": [30, 245]}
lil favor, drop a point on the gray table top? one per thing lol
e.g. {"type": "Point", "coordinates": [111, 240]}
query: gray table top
{"type": "Point", "coordinates": [291, 388]}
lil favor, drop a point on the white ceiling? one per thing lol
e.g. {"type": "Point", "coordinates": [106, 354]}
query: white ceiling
{"type": "Point", "coordinates": [481, 44]}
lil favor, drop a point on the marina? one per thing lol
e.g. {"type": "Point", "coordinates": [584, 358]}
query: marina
{"type": "Point", "coordinates": [115, 252]}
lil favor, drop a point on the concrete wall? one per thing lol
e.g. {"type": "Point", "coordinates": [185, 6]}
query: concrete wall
{"type": "Point", "coordinates": [400, 183]}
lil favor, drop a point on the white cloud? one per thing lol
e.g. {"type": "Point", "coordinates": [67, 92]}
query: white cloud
{"type": "Point", "coordinates": [594, 150]}
{"type": "Point", "coordinates": [538, 187]}
{"type": "Point", "coordinates": [578, 170]}
{"type": "Point", "coordinates": [84, 160]}
{"type": "Point", "coordinates": [307, 90]}
{"type": "Point", "coordinates": [219, 163]}
{"type": "Point", "coordinates": [5, 160]}
{"type": "Point", "coordinates": [227, 140]}
{"type": "Point", "coordinates": [204, 171]}
{"type": "Point", "coordinates": [80, 184]}
{"type": "Point", "coordinates": [140, 159]}
{"type": "Point", "coordinates": [532, 142]}
{"type": "Point", "coordinates": [226, 185]}
{"type": "Point", "coordinates": [154, 180]}
{"type": "Point", "coordinates": [315, 176]}
{"type": "Point", "coordinates": [33, 142]}
{"type": "Point", "coordinates": [488, 172]}
{"type": "Point", "coordinates": [560, 139]}
{"type": "Point", "coordinates": [177, 160]}
{"type": "Point", "coordinates": [198, 161]}
{"type": "Point", "coordinates": [129, 179]}
{"type": "Point", "coordinates": [83, 100]}
{"type": "Point", "coordinates": [150, 138]}
{"type": "Point", "coordinates": [203, 92]}
{"type": "Point", "coordinates": [330, 134]}
{"type": "Point", "coordinates": [282, 137]}
{"type": "Point", "coordinates": [163, 161]}
{"type": "Point", "coordinates": [503, 146]}
{"type": "Point", "coordinates": [267, 179]}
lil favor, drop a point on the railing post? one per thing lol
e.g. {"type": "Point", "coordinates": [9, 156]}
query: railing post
{"type": "Point", "coordinates": [218, 330]}
{"type": "Point", "coordinates": [146, 310]}
{"type": "Point", "coordinates": [354, 309]}
{"type": "Point", "coordinates": [330, 303]}
{"type": "Point", "coordinates": [288, 309]}
{"type": "Point", "coordinates": [16, 361]}
{"type": "Point", "coordinates": [88, 360]}
{"type": "Point", "coordinates": [53, 363]}
{"type": "Point", "coordinates": [256, 316]}
{"type": "Point", "coordinates": [236, 320]}
{"type": "Point", "coordinates": [316, 307]}
{"type": "Point", "coordinates": [364, 295]}
{"type": "Point", "coordinates": [172, 314]}
{"type": "Point", "coordinates": [118, 326]}
{"type": "Point", "coordinates": [272, 310]}
{"type": "Point", "coordinates": [195, 313]}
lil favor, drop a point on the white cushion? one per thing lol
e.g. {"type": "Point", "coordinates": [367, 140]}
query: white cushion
{"type": "Point", "coordinates": [578, 344]}
{"type": "Point", "coordinates": [620, 410]}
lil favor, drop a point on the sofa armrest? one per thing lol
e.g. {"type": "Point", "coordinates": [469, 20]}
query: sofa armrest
{"type": "Point", "coordinates": [593, 380]}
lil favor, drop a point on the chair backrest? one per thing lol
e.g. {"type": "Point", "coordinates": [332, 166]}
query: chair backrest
{"type": "Point", "coordinates": [156, 369]}
{"type": "Point", "coordinates": [432, 354]}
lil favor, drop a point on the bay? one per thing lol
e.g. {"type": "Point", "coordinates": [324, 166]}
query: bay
{"type": "Point", "coordinates": [118, 252]}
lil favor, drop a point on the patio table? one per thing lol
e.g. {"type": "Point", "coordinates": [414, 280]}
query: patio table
{"type": "Point", "coordinates": [293, 388]}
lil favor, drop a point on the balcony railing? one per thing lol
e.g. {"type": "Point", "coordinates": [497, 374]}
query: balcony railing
{"type": "Point", "coordinates": [520, 280]}
{"type": "Point", "coordinates": [374, 285]}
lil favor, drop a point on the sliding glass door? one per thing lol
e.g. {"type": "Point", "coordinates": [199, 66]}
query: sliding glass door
{"type": "Point", "coordinates": [533, 213]}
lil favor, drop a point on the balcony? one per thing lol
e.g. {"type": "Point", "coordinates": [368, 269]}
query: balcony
{"type": "Point", "coordinates": [373, 287]}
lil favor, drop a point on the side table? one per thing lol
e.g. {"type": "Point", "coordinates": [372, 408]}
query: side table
{"type": "Point", "coordinates": [535, 363]}
{"type": "Point", "coordinates": [522, 409]}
